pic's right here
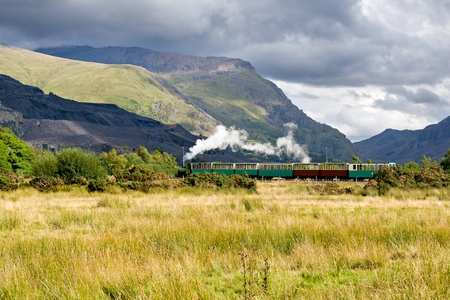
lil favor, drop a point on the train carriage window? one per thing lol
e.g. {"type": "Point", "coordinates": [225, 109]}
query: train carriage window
{"type": "Point", "coordinates": [222, 166]}
{"type": "Point", "coordinates": [246, 166]}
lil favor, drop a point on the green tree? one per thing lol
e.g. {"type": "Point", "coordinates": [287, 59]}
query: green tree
{"type": "Point", "coordinates": [158, 161]}
{"type": "Point", "coordinates": [4, 157]}
{"type": "Point", "coordinates": [15, 154]}
{"type": "Point", "coordinates": [432, 174]}
{"type": "Point", "coordinates": [355, 159]}
{"type": "Point", "coordinates": [113, 163]}
{"type": "Point", "coordinates": [45, 164]}
{"type": "Point", "coordinates": [74, 163]}
{"type": "Point", "coordinates": [445, 161]}
{"type": "Point", "coordinates": [163, 163]}
{"type": "Point", "coordinates": [142, 152]}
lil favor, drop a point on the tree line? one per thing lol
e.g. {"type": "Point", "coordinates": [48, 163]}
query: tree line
{"type": "Point", "coordinates": [141, 170]}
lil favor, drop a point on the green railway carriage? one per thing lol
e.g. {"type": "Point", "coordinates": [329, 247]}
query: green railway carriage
{"type": "Point", "coordinates": [327, 171]}
{"type": "Point", "coordinates": [223, 168]}
{"type": "Point", "coordinates": [199, 168]}
{"type": "Point", "coordinates": [251, 169]}
{"type": "Point", "coordinates": [365, 171]}
{"type": "Point", "coordinates": [275, 170]}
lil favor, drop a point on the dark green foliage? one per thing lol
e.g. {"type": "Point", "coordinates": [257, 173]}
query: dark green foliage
{"type": "Point", "coordinates": [215, 180]}
{"type": "Point", "coordinates": [113, 163]}
{"type": "Point", "coordinates": [445, 161]}
{"type": "Point", "coordinates": [333, 188]}
{"type": "Point", "coordinates": [355, 159]}
{"type": "Point", "coordinates": [8, 180]}
{"type": "Point", "coordinates": [243, 181]}
{"type": "Point", "coordinates": [161, 162]}
{"type": "Point", "coordinates": [97, 185]}
{"type": "Point", "coordinates": [15, 154]}
{"type": "Point", "coordinates": [430, 174]}
{"type": "Point", "coordinates": [45, 184]}
{"type": "Point", "coordinates": [74, 163]}
{"type": "Point", "coordinates": [387, 178]}
{"type": "Point", "coordinates": [136, 173]}
{"type": "Point", "coordinates": [45, 164]}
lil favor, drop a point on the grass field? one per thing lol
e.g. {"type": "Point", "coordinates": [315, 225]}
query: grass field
{"type": "Point", "coordinates": [283, 242]}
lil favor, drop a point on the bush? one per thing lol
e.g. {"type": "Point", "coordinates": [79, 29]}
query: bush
{"type": "Point", "coordinates": [333, 188]}
{"type": "Point", "coordinates": [45, 184]}
{"type": "Point", "coordinates": [15, 154]}
{"type": "Point", "coordinates": [74, 163]}
{"type": "Point", "coordinates": [244, 182]}
{"type": "Point", "coordinates": [431, 174]}
{"type": "Point", "coordinates": [160, 162]}
{"type": "Point", "coordinates": [97, 185]}
{"type": "Point", "coordinates": [216, 180]}
{"type": "Point", "coordinates": [45, 164]}
{"type": "Point", "coordinates": [8, 181]}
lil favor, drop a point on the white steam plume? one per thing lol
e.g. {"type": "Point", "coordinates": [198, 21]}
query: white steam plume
{"type": "Point", "coordinates": [236, 138]}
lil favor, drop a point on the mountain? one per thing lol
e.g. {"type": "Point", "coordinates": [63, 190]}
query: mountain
{"type": "Point", "coordinates": [402, 146]}
{"type": "Point", "coordinates": [129, 87]}
{"type": "Point", "coordinates": [48, 121]}
{"type": "Point", "coordinates": [227, 89]}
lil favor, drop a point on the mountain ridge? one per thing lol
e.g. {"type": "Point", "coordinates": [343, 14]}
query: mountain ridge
{"type": "Point", "coordinates": [402, 146]}
{"type": "Point", "coordinates": [229, 90]}
{"type": "Point", "coordinates": [130, 87]}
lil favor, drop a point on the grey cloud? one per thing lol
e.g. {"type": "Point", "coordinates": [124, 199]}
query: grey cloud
{"type": "Point", "coordinates": [421, 96]}
{"type": "Point", "coordinates": [421, 103]}
{"type": "Point", "coordinates": [322, 42]}
{"type": "Point", "coordinates": [397, 45]}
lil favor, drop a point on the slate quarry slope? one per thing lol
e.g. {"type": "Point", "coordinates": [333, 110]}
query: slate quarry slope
{"type": "Point", "coordinates": [41, 119]}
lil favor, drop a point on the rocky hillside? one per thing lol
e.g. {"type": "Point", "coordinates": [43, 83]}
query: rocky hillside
{"type": "Point", "coordinates": [49, 121]}
{"type": "Point", "coordinates": [402, 146]}
{"type": "Point", "coordinates": [229, 90]}
{"type": "Point", "coordinates": [129, 87]}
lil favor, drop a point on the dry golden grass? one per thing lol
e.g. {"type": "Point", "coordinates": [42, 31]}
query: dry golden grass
{"type": "Point", "coordinates": [206, 244]}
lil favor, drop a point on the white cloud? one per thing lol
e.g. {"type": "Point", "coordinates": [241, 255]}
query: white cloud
{"type": "Point", "coordinates": [361, 112]}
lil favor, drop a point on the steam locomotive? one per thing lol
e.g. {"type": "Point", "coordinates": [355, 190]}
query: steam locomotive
{"type": "Point", "coordinates": [315, 171]}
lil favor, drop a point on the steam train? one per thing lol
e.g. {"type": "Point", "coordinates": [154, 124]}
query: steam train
{"type": "Point", "coordinates": [315, 171]}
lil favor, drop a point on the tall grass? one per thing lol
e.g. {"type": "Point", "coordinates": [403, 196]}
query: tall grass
{"type": "Point", "coordinates": [179, 244]}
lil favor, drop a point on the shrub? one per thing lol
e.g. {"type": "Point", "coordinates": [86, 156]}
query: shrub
{"type": "Point", "coordinates": [161, 162]}
{"type": "Point", "coordinates": [15, 154]}
{"type": "Point", "coordinates": [97, 185]}
{"type": "Point", "coordinates": [333, 188]}
{"type": "Point", "coordinates": [445, 161]}
{"type": "Point", "coordinates": [243, 181]}
{"type": "Point", "coordinates": [431, 174]}
{"type": "Point", "coordinates": [74, 163]}
{"type": "Point", "coordinates": [136, 173]}
{"type": "Point", "coordinates": [216, 180]}
{"type": "Point", "coordinates": [45, 184]}
{"type": "Point", "coordinates": [113, 163]}
{"type": "Point", "coordinates": [45, 164]}
{"type": "Point", "coordinates": [8, 181]}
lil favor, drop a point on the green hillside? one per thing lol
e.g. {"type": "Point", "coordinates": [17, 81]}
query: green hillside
{"type": "Point", "coordinates": [228, 89]}
{"type": "Point", "coordinates": [129, 87]}
{"type": "Point", "coordinates": [230, 98]}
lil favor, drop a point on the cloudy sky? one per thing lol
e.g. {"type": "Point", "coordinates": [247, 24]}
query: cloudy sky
{"type": "Point", "coordinates": [360, 66]}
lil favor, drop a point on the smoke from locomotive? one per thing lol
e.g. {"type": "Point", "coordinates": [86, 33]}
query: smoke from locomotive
{"type": "Point", "coordinates": [238, 138]}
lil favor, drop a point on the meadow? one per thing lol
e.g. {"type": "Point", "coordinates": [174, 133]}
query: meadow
{"type": "Point", "coordinates": [284, 241]}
